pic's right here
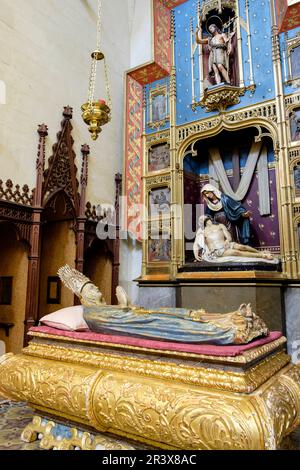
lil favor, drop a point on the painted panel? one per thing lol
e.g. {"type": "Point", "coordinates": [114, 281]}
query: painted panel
{"type": "Point", "coordinates": [134, 153]}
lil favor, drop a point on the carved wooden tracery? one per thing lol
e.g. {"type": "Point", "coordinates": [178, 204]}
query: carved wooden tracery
{"type": "Point", "coordinates": [27, 210]}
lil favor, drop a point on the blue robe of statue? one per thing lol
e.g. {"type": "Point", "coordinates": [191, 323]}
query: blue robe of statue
{"type": "Point", "coordinates": [167, 324]}
{"type": "Point", "coordinates": [233, 211]}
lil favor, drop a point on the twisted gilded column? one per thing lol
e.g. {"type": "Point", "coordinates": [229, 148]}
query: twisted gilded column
{"type": "Point", "coordinates": [175, 183]}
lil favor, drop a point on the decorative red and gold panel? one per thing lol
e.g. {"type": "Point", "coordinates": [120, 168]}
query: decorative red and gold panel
{"type": "Point", "coordinates": [149, 73]}
{"type": "Point", "coordinates": [288, 14]}
{"type": "Point", "coordinates": [172, 3]}
{"type": "Point", "coordinates": [162, 35]}
{"type": "Point", "coordinates": [161, 66]}
{"type": "Point", "coordinates": [134, 150]}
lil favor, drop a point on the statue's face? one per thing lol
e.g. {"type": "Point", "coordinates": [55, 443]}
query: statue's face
{"type": "Point", "coordinates": [91, 294]}
{"type": "Point", "coordinates": [212, 29]}
{"type": "Point", "coordinates": [202, 222]}
{"type": "Point", "coordinates": [210, 195]}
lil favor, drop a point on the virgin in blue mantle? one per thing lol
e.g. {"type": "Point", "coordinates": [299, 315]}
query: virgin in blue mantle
{"type": "Point", "coordinates": [234, 212]}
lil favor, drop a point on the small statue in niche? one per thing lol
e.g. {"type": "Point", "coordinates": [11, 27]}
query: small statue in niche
{"type": "Point", "coordinates": [213, 242]}
{"type": "Point", "coordinates": [225, 210]}
{"type": "Point", "coordinates": [295, 124]}
{"type": "Point", "coordinates": [220, 49]}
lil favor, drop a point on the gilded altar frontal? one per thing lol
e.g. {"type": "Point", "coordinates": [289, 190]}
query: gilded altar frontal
{"type": "Point", "coordinates": [149, 226]}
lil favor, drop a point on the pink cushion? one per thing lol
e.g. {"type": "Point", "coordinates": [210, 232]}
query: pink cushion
{"type": "Point", "coordinates": [67, 319]}
{"type": "Point", "coordinates": [202, 349]}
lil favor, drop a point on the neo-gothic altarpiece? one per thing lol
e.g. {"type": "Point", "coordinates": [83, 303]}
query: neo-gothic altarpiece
{"type": "Point", "coordinates": [181, 113]}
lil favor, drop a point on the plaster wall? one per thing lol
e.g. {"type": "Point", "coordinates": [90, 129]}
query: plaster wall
{"type": "Point", "coordinates": [45, 51]}
{"type": "Point", "coordinates": [140, 17]}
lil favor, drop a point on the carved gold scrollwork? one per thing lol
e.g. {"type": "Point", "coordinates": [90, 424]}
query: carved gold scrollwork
{"type": "Point", "coordinates": [282, 403]}
{"type": "Point", "coordinates": [208, 377]}
{"type": "Point", "coordinates": [158, 137]}
{"type": "Point", "coordinates": [155, 407]}
{"type": "Point", "coordinates": [221, 98]}
{"type": "Point", "coordinates": [179, 418]}
{"type": "Point", "coordinates": [158, 180]}
{"type": "Point", "coordinates": [49, 384]}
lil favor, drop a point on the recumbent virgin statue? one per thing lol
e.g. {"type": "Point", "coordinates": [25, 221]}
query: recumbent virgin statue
{"type": "Point", "coordinates": [164, 324]}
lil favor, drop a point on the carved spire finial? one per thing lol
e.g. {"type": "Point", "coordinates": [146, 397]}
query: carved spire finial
{"type": "Point", "coordinates": [68, 112]}
{"type": "Point", "coordinates": [85, 150]}
{"type": "Point", "coordinates": [43, 130]}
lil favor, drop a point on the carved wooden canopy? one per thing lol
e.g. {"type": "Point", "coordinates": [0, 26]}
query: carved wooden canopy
{"type": "Point", "coordinates": [61, 174]}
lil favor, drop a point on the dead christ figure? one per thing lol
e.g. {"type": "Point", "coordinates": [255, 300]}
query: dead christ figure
{"type": "Point", "coordinates": [214, 241]}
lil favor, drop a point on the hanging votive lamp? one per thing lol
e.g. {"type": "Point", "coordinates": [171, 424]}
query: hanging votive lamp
{"type": "Point", "coordinates": [97, 111]}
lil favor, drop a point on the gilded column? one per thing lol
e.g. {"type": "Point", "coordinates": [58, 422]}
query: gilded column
{"type": "Point", "coordinates": [173, 158]}
{"type": "Point", "coordinates": [145, 214]}
{"type": "Point", "coordinates": [239, 44]}
{"type": "Point", "coordinates": [200, 53]}
{"type": "Point", "coordinates": [285, 194]}
{"type": "Point", "coordinates": [192, 34]}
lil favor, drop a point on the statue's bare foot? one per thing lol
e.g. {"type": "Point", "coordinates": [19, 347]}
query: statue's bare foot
{"type": "Point", "coordinates": [246, 312]}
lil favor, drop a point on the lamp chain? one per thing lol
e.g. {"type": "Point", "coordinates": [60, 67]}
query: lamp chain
{"type": "Point", "coordinates": [93, 74]}
{"type": "Point", "coordinates": [99, 25]}
{"type": "Point", "coordinates": [92, 83]}
{"type": "Point", "coordinates": [106, 70]}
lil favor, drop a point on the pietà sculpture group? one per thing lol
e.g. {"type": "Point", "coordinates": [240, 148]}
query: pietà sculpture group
{"type": "Point", "coordinates": [167, 324]}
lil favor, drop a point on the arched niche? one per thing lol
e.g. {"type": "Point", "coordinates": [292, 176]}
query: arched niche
{"type": "Point", "coordinates": [225, 21]}
{"type": "Point", "coordinates": [98, 266]}
{"type": "Point", "coordinates": [58, 247]}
